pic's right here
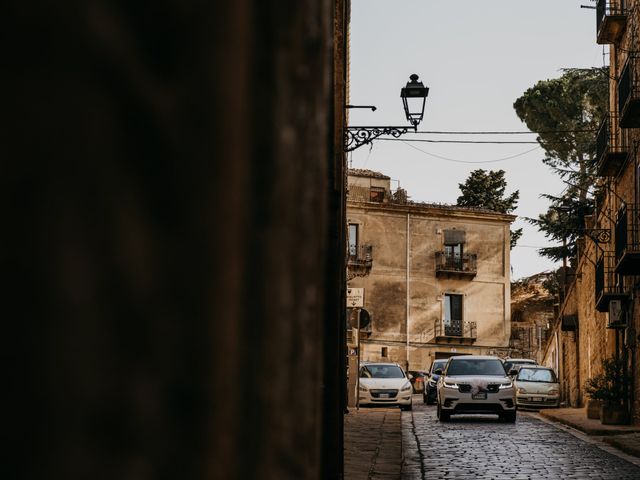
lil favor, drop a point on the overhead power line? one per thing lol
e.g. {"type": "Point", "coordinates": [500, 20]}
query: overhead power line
{"type": "Point", "coordinates": [521, 132]}
{"type": "Point", "coordinates": [499, 142]}
{"type": "Point", "coordinates": [454, 160]}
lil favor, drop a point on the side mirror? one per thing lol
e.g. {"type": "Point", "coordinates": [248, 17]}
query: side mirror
{"type": "Point", "coordinates": [409, 376]}
{"type": "Point", "coordinates": [513, 372]}
{"type": "Point", "coordinates": [438, 371]}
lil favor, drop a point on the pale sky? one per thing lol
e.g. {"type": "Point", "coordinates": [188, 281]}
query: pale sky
{"type": "Point", "coordinates": [476, 58]}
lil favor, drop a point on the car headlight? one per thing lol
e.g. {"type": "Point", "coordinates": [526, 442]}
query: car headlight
{"type": "Point", "coordinates": [449, 385]}
{"type": "Point", "coordinates": [406, 386]}
{"type": "Point", "coordinates": [362, 388]}
{"type": "Point", "coordinates": [521, 390]}
{"type": "Point", "coordinates": [505, 385]}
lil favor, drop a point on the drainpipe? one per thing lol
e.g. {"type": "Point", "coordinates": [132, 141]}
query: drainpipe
{"type": "Point", "coordinates": [408, 281]}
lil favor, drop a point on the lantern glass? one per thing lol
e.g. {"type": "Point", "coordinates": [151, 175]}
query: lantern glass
{"type": "Point", "coordinates": [414, 97]}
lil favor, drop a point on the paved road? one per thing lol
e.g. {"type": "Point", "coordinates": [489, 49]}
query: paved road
{"type": "Point", "coordinates": [474, 447]}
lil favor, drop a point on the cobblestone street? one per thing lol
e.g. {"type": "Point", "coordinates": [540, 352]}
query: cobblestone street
{"type": "Point", "coordinates": [482, 447]}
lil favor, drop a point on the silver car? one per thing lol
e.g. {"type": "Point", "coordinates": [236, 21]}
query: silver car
{"type": "Point", "coordinates": [537, 387]}
{"type": "Point", "coordinates": [475, 384]}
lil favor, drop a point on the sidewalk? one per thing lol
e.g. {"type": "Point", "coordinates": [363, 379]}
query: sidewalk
{"type": "Point", "coordinates": [623, 437]}
{"type": "Point", "coordinates": [372, 444]}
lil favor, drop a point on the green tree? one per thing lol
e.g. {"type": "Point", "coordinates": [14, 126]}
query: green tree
{"type": "Point", "coordinates": [486, 189]}
{"type": "Point", "coordinates": [566, 113]}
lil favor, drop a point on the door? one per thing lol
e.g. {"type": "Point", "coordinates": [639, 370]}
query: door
{"type": "Point", "coordinates": [453, 315]}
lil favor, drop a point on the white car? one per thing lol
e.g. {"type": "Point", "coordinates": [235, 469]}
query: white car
{"type": "Point", "coordinates": [537, 387]}
{"type": "Point", "coordinates": [475, 384]}
{"type": "Point", "coordinates": [384, 384]}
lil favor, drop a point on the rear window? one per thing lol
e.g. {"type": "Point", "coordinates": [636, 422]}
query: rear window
{"type": "Point", "coordinates": [381, 371]}
{"type": "Point", "coordinates": [508, 366]}
{"type": "Point", "coordinates": [536, 375]}
{"type": "Point", "coordinates": [475, 367]}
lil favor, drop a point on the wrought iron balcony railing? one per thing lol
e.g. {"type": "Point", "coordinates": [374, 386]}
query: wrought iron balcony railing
{"type": "Point", "coordinates": [611, 147]}
{"type": "Point", "coordinates": [627, 240]}
{"type": "Point", "coordinates": [611, 20]}
{"type": "Point", "coordinates": [609, 284]}
{"type": "Point", "coordinates": [454, 331]}
{"type": "Point", "coordinates": [360, 256]}
{"type": "Point", "coordinates": [465, 264]}
{"type": "Point", "coordinates": [629, 94]}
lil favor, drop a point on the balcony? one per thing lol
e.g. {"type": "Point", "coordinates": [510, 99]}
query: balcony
{"type": "Point", "coordinates": [611, 147]}
{"type": "Point", "coordinates": [629, 95]}
{"type": "Point", "coordinates": [360, 256]}
{"type": "Point", "coordinates": [609, 284]}
{"type": "Point", "coordinates": [611, 20]}
{"type": "Point", "coordinates": [454, 331]}
{"type": "Point", "coordinates": [627, 241]}
{"type": "Point", "coordinates": [465, 265]}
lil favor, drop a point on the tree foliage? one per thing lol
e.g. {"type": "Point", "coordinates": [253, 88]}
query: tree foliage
{"type": "Point", "coordinates": [486, 189]}
{"type": "Point", "coordinates": [566, 113]}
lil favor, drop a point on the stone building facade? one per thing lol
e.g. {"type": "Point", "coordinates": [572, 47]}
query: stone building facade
{"type": "Point", "coordinates": [436, 278]}
{"type": "Point", "coordinates": [600, 315]}
{"type": "Point", "coordinates": [532, 315]}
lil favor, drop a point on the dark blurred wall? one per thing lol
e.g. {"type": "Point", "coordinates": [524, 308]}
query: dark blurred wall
{"type": "Point", "coordinates": [173, 246]}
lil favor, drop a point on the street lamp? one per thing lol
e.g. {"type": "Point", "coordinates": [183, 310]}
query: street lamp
{"type": "Point", "coordinates": [414, 97]}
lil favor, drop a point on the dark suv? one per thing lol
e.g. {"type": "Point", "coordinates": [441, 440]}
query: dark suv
{"type": "Point", "coordinates": [431, 380]}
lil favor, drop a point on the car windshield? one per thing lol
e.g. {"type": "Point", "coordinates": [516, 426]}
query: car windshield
{"type": "Point", "coordinates": [475, 367]}
{"type": "Point", "coordinates": [536, 375]}
{"type": "Point", "coordinates": [438, 365]}
{"type": "Point", "coordinates": [381, 371]}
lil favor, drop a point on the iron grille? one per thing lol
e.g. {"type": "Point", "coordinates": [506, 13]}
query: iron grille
{"type": "Point", "coordinates": [465, 263]}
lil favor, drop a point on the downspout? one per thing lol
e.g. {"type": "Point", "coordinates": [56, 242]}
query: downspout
{"type": "Point", "coordinates": [408, 293]}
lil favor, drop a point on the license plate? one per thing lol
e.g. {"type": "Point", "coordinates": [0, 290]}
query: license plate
{"type": "Point", "coordinates": [479, 396]}
{"type": "Point", "coordinates": [537, 399]}
{"type": "Point", "coordinates": [384, 395]}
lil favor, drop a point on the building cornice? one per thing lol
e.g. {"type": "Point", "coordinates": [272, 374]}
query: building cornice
{"type": "Point", "coordinates": [433, 210]}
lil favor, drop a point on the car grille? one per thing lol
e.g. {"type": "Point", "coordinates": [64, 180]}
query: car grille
{"type": "Point", "coordinates": [390, 393]}
{"type": "Point", "coordinates": [464, 388]}
{"type": "Point", "coordinates": [493, 387]}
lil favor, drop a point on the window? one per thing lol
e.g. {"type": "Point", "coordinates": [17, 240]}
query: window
{"type": "Point", "coordinates": [376, 194]}
{"type": "Point", "coordinates": [453, 248]}
{"type": "Point", "coordinates": [460, 366]}
{"type": "Point", "coordinates": [353, 239]}
{"type": "Point", "coordinates": [453, 314]}
{"type": "Point", "coordinates": [381, 371]}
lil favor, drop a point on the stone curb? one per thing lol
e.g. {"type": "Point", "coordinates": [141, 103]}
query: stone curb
{"type": "Point", "coordinates": [588, 426]}
{"type": "Point", "coordinates": [627, 443]}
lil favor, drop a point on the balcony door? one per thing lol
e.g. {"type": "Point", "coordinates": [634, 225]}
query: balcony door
{"type": "Point", "coordinates": [453, 315]}
{"type": "Point", "coordinates": [353, 240]}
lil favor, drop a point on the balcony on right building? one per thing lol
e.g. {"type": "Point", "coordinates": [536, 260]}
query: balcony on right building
{"type": "Point", "coordinates": [627, 240]}
{"type": "Point", "coordinates": [611, 20]}
{"type": "Point", "coordinates": [611, 147]}
{"type": "Point", "coordinates": [609, 284]}
{"type": "Point", "coordinates": [629, 94]}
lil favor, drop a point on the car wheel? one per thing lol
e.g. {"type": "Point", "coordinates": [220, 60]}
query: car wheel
{"type": "Point", "coordinates": [509, 417]}
{"type": "Point", "coordinates": [443, 416]}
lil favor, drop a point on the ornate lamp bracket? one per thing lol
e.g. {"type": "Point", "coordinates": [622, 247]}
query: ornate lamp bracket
{"type": "Point", "coordinates": [599, 235]}
{"type": "Point", "coordinates": [357, 136]}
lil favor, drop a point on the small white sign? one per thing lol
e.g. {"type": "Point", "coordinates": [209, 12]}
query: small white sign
{"type": "Point", "coordinates": [355, 297]}
{"type": "Point", "coordinates": [453, 350]}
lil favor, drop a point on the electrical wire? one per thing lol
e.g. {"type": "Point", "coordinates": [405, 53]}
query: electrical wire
{"type": "Point", "coordinates": [496, 142]}
{"type": "Point", "coordinates": [468, 161]}
{"type": "Point", "coordinates": [513, 132]}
